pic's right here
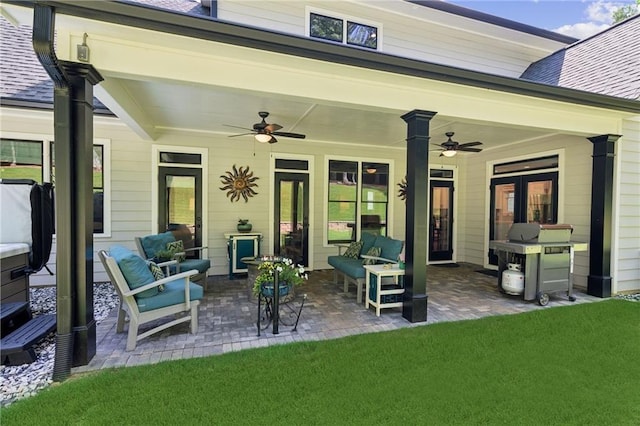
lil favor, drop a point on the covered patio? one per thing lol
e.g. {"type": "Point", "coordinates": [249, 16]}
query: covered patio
{"type": "Point", "coordinates": [227, 320]}
{"type": "Point", "coordinates": [197, 78]}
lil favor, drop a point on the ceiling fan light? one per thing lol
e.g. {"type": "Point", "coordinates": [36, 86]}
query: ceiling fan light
{"type": "Point", "coordinates": [263, 137]}
{"type": "Point", "coordinates": [449, 153]}
{"type": "Point", "coordinates": [371, 170]}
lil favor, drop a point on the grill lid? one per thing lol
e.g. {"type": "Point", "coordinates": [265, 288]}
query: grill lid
{"type": "Point", "coordinates": [540, 233]}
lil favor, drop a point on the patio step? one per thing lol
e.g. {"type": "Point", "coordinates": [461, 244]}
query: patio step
{"type": "Point", "coordinates": [13, 315]}
{"type": "Point", "coordinates": [17, 347]}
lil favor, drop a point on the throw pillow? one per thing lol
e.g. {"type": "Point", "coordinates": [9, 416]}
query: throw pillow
{"type": "Point", "coordinates": [134, 270]}
{"type": "Point", "coordinates": [177, 247]}
{"type": "Point", "coordinates": [373, 251]}
{"type": "Point", "coordinates": [353, 251]}
{"type": "Point", "coordinates": [157, 273]}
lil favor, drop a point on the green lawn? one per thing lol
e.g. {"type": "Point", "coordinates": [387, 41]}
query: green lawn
{"type": "Point", "coordinates": [575, 365]}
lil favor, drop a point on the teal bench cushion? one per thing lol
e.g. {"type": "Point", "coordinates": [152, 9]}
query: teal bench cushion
{"type": "Point", "coordinates": [134, 269]}
{"type": "Point", "coordinates": [155, 243]}
{"type": "Point", "coordinates": [347, 265]}
{"type": "Point", "coordinates": [390, 248]}
{"type": "Point", "coordinates": [173, 294]}
{"type": "Point", "coordinates": [368, 239]}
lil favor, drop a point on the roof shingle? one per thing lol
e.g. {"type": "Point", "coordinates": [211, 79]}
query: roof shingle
{"type": "Point", "coordinates": [607, 63]}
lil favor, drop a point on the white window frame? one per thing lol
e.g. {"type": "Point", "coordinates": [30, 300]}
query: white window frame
{"type": "Point", "coordinates": [204, 166]}
{"type": "Point", "coordinates": [46, 140]}
{"type": "Point", "coordinates": [360, 161]}
{"type": "Point", "coordinates": [345, 18]}
{"type": "Point", "coordinates": [310, 159]}
{"type": "Point", "coordinates": [531, 156]}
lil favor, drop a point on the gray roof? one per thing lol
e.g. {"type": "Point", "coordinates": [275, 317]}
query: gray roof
{"type": "Point", "coordinates": [24, 80]}
{"type": "Point", "coordinates": [607, 63]}
{"type": "Point", "coordinates": [190, 7]}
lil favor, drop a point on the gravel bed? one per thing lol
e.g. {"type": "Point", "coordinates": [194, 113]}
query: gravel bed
{"type": "Point", "coordinates": [632, 297]}
{"type": "Point", "coordinates": [21, 381]}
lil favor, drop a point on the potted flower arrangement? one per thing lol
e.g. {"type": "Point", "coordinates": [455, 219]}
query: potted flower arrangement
{"type": "Point", "coordinates": [289, 275]}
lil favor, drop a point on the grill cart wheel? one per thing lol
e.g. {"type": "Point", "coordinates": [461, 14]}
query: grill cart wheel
{"type": "Point", "coordinates": [543, 299]}
{"type": "Point", "coordinates": [572, 298]}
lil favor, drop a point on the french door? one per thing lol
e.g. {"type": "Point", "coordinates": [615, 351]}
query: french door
{"type": "Point", "coordinates": [292, 216]}
{"type": "Point", "coordinates": [521, 199]}
{"type": "Point", "coordinates": [180, 203]}
{"type": "Point", "coordinates": [441, 220]}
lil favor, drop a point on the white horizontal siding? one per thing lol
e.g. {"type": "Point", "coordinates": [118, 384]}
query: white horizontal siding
{"type": "Point", "coordinates": [627, 269]}
{"type": "Point", "coordinates": [422, 35]}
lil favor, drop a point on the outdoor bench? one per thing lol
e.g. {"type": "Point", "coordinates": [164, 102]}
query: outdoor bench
{"type": "Point", "coordinates": [352, 268]}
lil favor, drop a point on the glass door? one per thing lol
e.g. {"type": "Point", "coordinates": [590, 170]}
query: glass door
{"type": "Point", "coordinates": [180, 204]}
{"type": "Point", "coordinates": [292, 216]}
{"type": "Point", "coordinates": [521, 199]}
{"type": "Point", "coordinates": [441, 221]}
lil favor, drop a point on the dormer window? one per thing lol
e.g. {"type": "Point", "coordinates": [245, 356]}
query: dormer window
{"type": "Point", "coordinates": [343, 30]}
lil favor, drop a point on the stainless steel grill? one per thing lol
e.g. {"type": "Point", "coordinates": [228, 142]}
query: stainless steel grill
{"type": "Point", "coordinates": [545, 255]}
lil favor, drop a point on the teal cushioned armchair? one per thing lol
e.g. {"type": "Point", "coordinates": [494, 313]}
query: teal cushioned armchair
{"type": "Point", "coordinates": [149, 245]}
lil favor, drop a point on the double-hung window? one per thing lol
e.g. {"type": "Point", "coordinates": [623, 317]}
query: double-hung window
{"type": "Point", "coordinates": [34, 159]}
{"type": "Point", "coordinates": [340, 29]}
{"type": "Point", "coordinates": [358, 199]}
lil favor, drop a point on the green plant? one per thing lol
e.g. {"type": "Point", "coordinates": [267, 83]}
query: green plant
{"type": "Point", "coordinates": [164, 255]}
{"type": "Point", "coordinates": [288, 272]}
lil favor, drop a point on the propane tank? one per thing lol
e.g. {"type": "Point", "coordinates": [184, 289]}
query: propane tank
{"type": "Point", "coordinates": [513, 279]}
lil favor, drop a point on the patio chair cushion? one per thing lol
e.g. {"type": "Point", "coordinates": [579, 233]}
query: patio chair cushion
{"type": "Point", "coordinates": [153, 244]}
{"type": "Point", "coordinates": [389, 248]}
{"type": "Point", "coordinates": [173, 294]}
{"type": "Point", "coordinates": [353, 251]}
{"type": "Point", "coordinates": [134, 269]}
{"type": "Point", "coordinates": [202, 265]}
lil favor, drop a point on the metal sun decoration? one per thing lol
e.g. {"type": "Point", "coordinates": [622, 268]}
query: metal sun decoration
{"type": "Point", "coordinates": [402, 192]}
{"type": "Point", "coordinates": [238, 184]}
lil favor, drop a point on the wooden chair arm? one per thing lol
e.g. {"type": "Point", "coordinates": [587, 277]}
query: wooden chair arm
{"type": "Point", "coordinates": [378, 259]}
{"type": "Point", "coordinates": [195, 249]}
{"type": "Point", "coordinates": [166, 266]}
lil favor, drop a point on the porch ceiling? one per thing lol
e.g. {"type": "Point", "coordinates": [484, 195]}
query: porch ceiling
{"type": "Point", "coordinates": [213, 110]}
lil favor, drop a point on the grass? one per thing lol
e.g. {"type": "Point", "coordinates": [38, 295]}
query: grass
{"type": "Point", "coordinates": [560, 365]}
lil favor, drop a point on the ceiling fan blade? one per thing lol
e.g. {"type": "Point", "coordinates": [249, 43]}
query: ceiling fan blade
{"type": "Point", "coordinates": [241, 134]}
{"type": "Point", "coordinates": [273, 140]}
{"type": "Point", "coordinates": [237, 127]}
{"type": "Point", "coordinates": [470, 149]}
{"type": "Point", "coordinates": [468, 144]}
{"type": "Point", "coordinates": [439, 145]}
{"type": "Point", "coordinates": [270, 128]}
{"type": "Point", "coordinates": [289, 135]}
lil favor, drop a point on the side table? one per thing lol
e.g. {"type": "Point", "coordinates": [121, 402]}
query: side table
{"type": "Point", "coordinates": [387, 295]}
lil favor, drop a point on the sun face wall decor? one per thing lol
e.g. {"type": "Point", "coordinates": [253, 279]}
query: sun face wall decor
{"type": "Point", "coordinates": [239, 183]}
{"type": "Point", "coordinates": [402, 191]}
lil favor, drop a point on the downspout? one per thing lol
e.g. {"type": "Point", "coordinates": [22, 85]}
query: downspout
{"type": "Point", "coordinates": [43, 45]}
